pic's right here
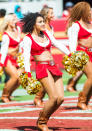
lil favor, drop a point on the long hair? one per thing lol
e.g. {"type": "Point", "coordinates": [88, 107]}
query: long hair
{"type": "Point", "coordinates": [80, 11]}
{"type": "Point", "coordinates": [5, 23]}
{"type": "Point", "coordinates": [44, 11]}
{"type": "Point", "coordinates": [29, 20]}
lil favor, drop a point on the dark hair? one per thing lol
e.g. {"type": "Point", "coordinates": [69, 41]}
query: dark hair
{"type": "Point", "coordinates": [11, 14]}
{"type": "Point", "coordinates": [2, 12]}
{"type": "Point", "coordinates": [29, 20]}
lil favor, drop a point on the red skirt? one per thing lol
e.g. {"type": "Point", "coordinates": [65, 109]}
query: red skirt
{"type": "Point", "coordinates": [12, 59]}
{"type": "Point", "coordinates": [85, 49]}
{"type": "Point", "coordinates": [41, 70]}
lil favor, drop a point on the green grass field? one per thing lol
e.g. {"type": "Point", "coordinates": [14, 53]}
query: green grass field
{"type": "Point", "coordinates": [66, 77]}
{"type": "Point", "coordinates": [24, 97]}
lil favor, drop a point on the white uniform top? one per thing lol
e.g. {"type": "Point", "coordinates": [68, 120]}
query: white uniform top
{"type": "Point", "coordinates": [73, 36]}
{"type": "Point", "coordinates": [5, 45]}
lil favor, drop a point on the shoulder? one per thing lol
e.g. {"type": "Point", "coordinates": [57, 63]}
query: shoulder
{"type": "Point", "coordinates": [5, 37]}
{"type": "Point", "coordinates": [74, 27]}
{"type": "Point", "coordinates": [27, 39]}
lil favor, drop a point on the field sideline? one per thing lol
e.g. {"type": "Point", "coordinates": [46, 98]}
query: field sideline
{"type": "Point", "coordinates": [22, 114]}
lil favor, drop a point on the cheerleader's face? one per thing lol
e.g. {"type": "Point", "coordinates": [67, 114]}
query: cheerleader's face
{"type": "Point", "coordinates": [50, 14]}
{"type": "Point", "coordinates": [40, 24]}
{"type": "Point", "coordinates": [13, 20]}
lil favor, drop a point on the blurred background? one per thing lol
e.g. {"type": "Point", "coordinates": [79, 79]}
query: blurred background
{"type": "Point", "coordinates": [36, 5]}
{"type": "Point", "coordinates": [60, 8]}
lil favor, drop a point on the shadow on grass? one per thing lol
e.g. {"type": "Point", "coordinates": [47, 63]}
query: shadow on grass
{"type": "Point", "coordinates": [70, 108]}
{"type": "Point", "coordinates": [71, 128]}
{"type": "Point", "coordinates": [34, 128]}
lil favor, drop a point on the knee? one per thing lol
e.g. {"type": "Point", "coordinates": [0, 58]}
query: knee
{"type": "Point", "coordinates": [54, 99]}
{"type": "Point", "coordinates": [57, 99]}
{"type": "Point", "coordinates": [60, 100]}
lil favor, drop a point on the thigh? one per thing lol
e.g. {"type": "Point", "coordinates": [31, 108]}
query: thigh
{"type": "Point", "coordinates": [49, 85]}
{"type": "Point", "coordinates": [59, 86]}
{"type": "Point", "coordinates": [88, 69]}
{"type": "Point", "coordinates": [10, 69]}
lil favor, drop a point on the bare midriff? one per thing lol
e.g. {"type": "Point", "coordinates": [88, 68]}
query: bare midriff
{"type": "Point", "coordinates": [44, 56]}
{"type": "Point", "coordinates": [86, 42]}
{"type": "Point", "coordinates": [13, 51]}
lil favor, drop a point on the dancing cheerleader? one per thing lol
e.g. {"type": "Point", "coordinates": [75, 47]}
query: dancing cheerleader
{"type": "Point", "coordinates": [48, 14]}
{"type": "Point", "coordinates": [80, 39]}
{"type": "Point", "coordinates": [38, 43]}
{"type": "Point", "coordinates": [9, 51]}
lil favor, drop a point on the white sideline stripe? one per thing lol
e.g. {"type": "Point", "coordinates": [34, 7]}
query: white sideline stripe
{"type": "Point", "coordinates": [17, 102]}
{"type": "Point", "coordinates": [31, 101]}
{"type": "Point", "coordinates": [19, 107]}
{"type": "Point", "coordinates": [27, 109]}
{"type": "Point", "coordinates": [24, 106]}
{"type": "Point", "coordinates": [10, 130]}
{"type": "Point", "coordinates": [78, 111]}
{"type": "Point", "coordinates": [58, 118]}
{"type": "Point", "coordinates": [35, 109]}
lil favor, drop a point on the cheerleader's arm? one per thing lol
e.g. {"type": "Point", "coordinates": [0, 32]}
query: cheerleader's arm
{"type": "Point", "coordinates": [26, 53]}
{"type": "Point", "coordinates": [58, 44]}
{"type": "Point", "coordinates": [73, 37]}
{"type": "Point", "coordinates": [4, 48]}
{"type": "Point", "coordinates": [21, 44]}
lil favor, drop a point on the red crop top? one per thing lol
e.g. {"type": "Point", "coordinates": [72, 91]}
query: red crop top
{"type": "Point", "coordinates": [37, 49]}
{"type": "Point", "coordinates": [83, 33]}
{"type": "Point", "coordinates": [12, 43]}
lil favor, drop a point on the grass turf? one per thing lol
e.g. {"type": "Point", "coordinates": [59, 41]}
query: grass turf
{"type": "Point", "coordinates": [66, 77]}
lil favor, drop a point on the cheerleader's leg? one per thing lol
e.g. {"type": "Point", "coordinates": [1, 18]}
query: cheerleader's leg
{"type": "Point", "coordinates": [52, 104]}
{"type": "Point", "coordinates": [13, 80]}
{"type": "Point", "coordinates": [84, 95]}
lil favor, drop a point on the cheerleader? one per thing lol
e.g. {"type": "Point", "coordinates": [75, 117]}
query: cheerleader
{"type": "Point", "coordinates": [48, 14]}
{"type": "Point", "coordinates": [38, 43]}
{"type": "Point", "coordinates": [9, 50]}
{"type": "Point", "coordinates": [80, 39]}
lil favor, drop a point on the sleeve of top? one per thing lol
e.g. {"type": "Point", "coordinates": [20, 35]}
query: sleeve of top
{"type": "Point", "coordinates": [21, 44]}
{"type": "Point", "coordinates": [4, 48]}
{"type": "Point", "coordinates": [57, 44]}
{"type": "Point", "coordinates": [73, 36]}
{"type": "Point", "coordinates": [19, 30]}
{"type": "Point", "coordinates": [26, 54]}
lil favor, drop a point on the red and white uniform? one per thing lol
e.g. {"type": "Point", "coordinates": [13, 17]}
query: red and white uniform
{"type": "Point", "coordinates": [75, 33]}
{"type": "Point", "coordinates": [33, 48]}
{"type": "Point", "coordinates": [8, 42]}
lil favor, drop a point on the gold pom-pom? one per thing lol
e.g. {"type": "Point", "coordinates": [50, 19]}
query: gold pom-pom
{"type": "Point", "coordinates": [1, 72]}
{"type": "Point", "coordinates": [20, 60]}
{"type": "Point", "coordinates": [30, 84]}
{"type": "Point", "coordinates": [23, 78]}
{"type": "Point", "coordinates": [76, 62]}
